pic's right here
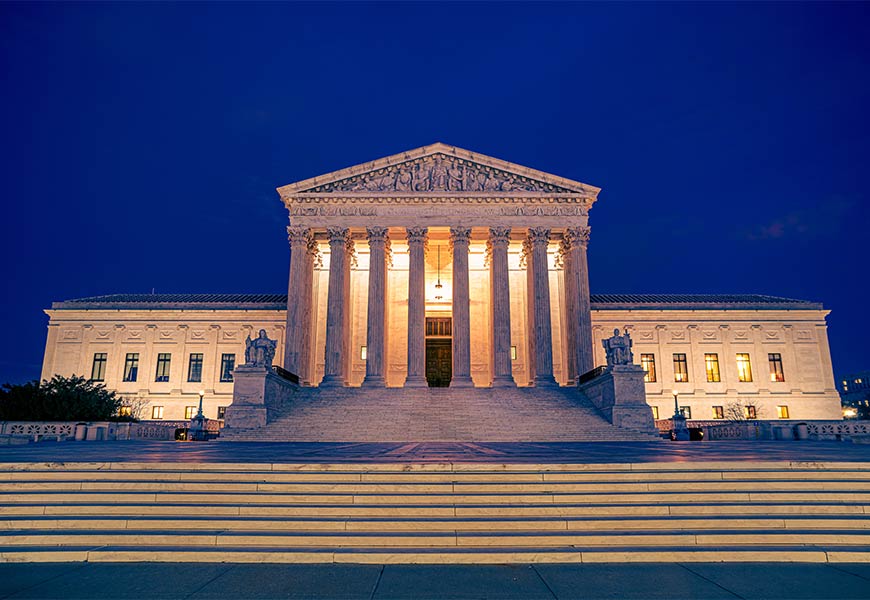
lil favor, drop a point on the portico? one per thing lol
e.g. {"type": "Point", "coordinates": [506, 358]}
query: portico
{"type": "Point", "coordinates": [494, 250]}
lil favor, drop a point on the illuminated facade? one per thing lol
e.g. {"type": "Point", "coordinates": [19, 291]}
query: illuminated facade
{"type": "Point", "coordinates": [440, 267]}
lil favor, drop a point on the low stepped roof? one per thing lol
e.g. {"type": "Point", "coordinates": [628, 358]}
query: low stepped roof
{"type": "Point", "coordinates": [279, 302]}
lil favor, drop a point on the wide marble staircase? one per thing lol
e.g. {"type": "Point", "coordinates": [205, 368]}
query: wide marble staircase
{"type": "Point", "coordinates": [436, 415]}
{"type": "Point", "coordinates": [435, 513]}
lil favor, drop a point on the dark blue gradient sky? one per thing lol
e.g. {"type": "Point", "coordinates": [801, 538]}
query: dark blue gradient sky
{"type": "Point", "coordinates": [141, 143]}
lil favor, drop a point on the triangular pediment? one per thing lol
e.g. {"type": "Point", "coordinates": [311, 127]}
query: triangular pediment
{"type": "Point", "coordinates": [437, 169]}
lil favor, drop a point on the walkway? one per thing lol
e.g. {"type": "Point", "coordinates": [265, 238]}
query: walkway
{"type": "Point", "coordinates": [507, 452]}
{"type": "Point", "coordinates": [670, 581]}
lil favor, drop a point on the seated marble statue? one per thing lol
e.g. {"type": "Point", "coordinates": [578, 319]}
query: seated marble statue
{"type": "Point", "coordinates": [618, 349]}
{"type": "Point", "coordinates": [260, 351]}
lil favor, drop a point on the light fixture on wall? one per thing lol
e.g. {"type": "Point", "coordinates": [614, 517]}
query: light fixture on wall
{"type": "Point", "coordinates": [438, 285]}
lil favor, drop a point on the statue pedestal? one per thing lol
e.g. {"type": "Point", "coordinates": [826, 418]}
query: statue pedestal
{"type": "Point", "coordinates": [681, 430]}
{"type": "Point", "coordinates": [619, 394]}
{"type": "Point", "coordinates": [256, 389]}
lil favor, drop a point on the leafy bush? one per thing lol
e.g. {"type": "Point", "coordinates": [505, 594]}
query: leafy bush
{"type": "Point", "coordinates": [61, 399]}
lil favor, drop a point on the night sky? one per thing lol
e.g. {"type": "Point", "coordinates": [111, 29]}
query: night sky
{"type": "Point", "coordinates": [142, 143]}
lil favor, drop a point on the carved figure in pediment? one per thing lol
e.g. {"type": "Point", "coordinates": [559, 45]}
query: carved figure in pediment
{"type": "Point", "coordinates": [421, 177]}
{"type": "Point", "coordinates": [491, 184]}
{"type": "Point", "coordinates": [455, 177]}
{"type": "Point", "coordinates": [404, 181]}
{"type": "Point", "coordinates": [438, 176]}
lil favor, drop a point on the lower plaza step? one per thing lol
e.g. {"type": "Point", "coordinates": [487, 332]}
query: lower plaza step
{"type": "Point", "coordinates": [436, 414]}
{"type": "Point", "coordinates": [435, 513]}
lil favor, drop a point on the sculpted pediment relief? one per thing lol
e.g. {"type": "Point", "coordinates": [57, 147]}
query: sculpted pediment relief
{"type": "Point", "coordinates": [438, 168]}
{"type": "Point", "coordinates": [439, 173]}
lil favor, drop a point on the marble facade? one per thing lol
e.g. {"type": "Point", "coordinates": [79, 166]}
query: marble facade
{"type": "Point", "coordinates": [441, 232]}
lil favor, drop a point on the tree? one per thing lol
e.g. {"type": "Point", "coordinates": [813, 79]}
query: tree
{"type": "Point", "coordinates": [61, 399]}
{"type": "Point", "coordinates": [131, 408]}
{"type": "Point", "coordinates": [740, 411]}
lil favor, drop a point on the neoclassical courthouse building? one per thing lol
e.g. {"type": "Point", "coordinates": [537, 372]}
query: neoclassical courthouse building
{"type": "Point", "coordinates": [443, 267]}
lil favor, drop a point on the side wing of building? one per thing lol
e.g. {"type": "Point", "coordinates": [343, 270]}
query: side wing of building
{"type": "Point", "coordinates": [767, 353]}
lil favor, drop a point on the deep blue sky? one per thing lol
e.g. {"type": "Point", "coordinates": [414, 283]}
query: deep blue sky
{"type": "Point", "coordinates": [141, 143]}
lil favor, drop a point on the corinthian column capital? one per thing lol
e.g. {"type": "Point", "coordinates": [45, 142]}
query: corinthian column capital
{"type": "Point", "coordinates": [377, 235]}
{"type": "Point", "coordinates": [499, 236]}
{"type": "Point", "coordinates": [337, 234]}
{"type": "Point", "coordinates": [539, 236]}
{"type": "Point", "coordinates": [417, 235]}
{"type": "Point", "coordinates": [578, 237]}
{"type": "Point", "coordinates": [298, 236]}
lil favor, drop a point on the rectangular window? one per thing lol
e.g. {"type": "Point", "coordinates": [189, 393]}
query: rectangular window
{"type": "Point", "coordinates": [125, 411]}
{"type": "Point", "coordinates": [228, 363]}
{"type": "Point", "coordinates": [655, 412]}
{"type": "Point", "coordinates": [513, 352]}
{"type": "Point", "coordinates": [782, 412]}
{"type": "Point", "coordinates": [439, 326]}
{"type": "Point", "coordinates": [775, 361]}
{"type": "Point", "coordinates": [648, 362]}
{"type": "Point", "coordinates": [718, 412]}
{"type": "Point", "coordinates": [749, 412]}
{"type": "Point", "coordinates": [98, 369]}
{"type": "Point", "coordinates": [194, 368]}
{"type": "Point", "coordinates": [686, 411]}
{"type": "Point", "coordinates": [744, 369]}
{"type": "Point", "coordinates": [163, 361]}
{"type": "Point", "coordinates": [363, 352]}
{"type": "Point", "coordinates": [131, 366]}
{"type": "Point", "coordinates": [711, 362]}
{"type": "Point", "coordinates": [156, 412]}
{"type": "Point", "coordinates": [222, 412]}
{"type": "Point", "coordinates": [189, 412]}
{"type": "Point", "coordinates": [681, 368]}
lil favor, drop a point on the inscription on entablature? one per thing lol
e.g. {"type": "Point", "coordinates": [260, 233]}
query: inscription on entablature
{"type": "Point", "coordinates": [431, 208]}
{"type": "Point", "coordinates": [438, 173]}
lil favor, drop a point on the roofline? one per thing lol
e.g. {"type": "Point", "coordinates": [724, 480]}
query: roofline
{"type": "Point", "coordinates": [298, 187]}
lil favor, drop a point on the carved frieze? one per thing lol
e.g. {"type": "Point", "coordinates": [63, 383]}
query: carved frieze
{"type": "Point", "coordinates": [482, 207]}
{"type": "Point", "coordinates": [438, 173]}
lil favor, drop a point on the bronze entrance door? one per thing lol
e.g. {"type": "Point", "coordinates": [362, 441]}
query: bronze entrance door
{"type": "Point", "coordinates": [439, 362]}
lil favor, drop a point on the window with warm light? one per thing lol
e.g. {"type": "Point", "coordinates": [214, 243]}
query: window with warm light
{"type": "Point", "coordinates": [228, 363]}
{"type": "Point", "coordinates": [686, 411]}
{"type": "Point", "coordinates": [744, 369]}
{"type": "Point", "coordinates": [194, 368]}
{"type": "Point", "coordinates": [648, 363]}
{"type": "Point", "coordinates": [749, 412]}
{"type": "Point", "coordinates": [775, 361]}
{"type": "Point", "coordinates": [131, 366]}
{"type": "Point", "coordinates": [363, 352]}
{"type": "Point", "coordinates": [156, 412]}
{"type": "Point", "coordinates": [189, 412]}
{"type": "Point", "coordinates": [718, 412]}
{"type": "Point", "coordinates": [513, 352]}
{"type": "Point", "coordinates": [163, 362]}
{"type": "Point", "coordinates": [655, 410]}
{"type": "Point", "coordinates": [98, 369]}
{"type": "Point", "coordinates": [125, 411]}
{"type": "Point", "coordinates": [222, 412]}
{"type": "Point", "coordinates": [711, 363]}
{"type": "Point", "coordinates": [681, 368]}
{"type": "Point", "coordinates": [782, 412]}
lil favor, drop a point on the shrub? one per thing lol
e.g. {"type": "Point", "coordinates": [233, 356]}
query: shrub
{"type": "Point", "coordinates": [61, 399]}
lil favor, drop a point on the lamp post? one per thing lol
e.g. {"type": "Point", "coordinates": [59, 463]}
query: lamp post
{"type": "Point", "coordinates": [197, 423]}
{"type": "Point", "coordinates": [680, 432]}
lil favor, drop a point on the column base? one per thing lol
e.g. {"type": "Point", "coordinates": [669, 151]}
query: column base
{"type": "Point", "coordinates": [331, 381]}
{"type": "Point", "coordinates": [416, 381]}
{"type": "Point", "coordinates": [503, 381]}
{"type": "Point", "coordinates": [375, 381]}
{"type": "Point", "coordinates": [461, 381]}
{"type": "Point", "coordinates": [546, 382]}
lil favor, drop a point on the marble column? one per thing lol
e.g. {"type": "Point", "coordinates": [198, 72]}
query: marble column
{"type": "Point", "coordinates": [540, 239]}
{"type": "Point", "coordinates": [417, 237]}
{"type": "Point", "coordinates": [578, 238]}
{"type": "Point", "coordinates": [499, 240]}
{"type": "Point", "coordinates": [530, 310]}
{"type": "Point", "coordinates": [336, 307]}
{"type": "Point", "coordinates": [307, 372]}
{"type": "Point", "coordinates": [298, 299]}
{"type": "Point", "coordinates": [570, 302]}
{"type": "Point", "coordinates": [377, 308]}
{"type": "Point", "coordinates": [460, 237]}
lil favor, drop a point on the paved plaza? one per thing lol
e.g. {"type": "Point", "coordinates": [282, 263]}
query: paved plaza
{"type": "Point", "coordinates": [652, 580]}
{"type": "Point", "coordinates": [507, 452]}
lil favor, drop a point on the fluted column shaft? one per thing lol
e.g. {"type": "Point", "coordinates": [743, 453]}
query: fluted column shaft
{"type": "Point", "coordinates": [531, 344]}
{"type": "Point", "coordinates": [336, 309]}
{"type": "Point", "coordinates": [416, 307]}
{"type": "Point", "coordinates": [377, 308]}
{"type": "Point", "coordinates": [571, 309]}
{"type": "Point", "coordinates": [499, 239]}
{"type": "Point", "coordinates": [298, 299]}
{"type": "Point", "coordinates": [579, 240]}
{"type": "Point", "coordinates": [460, 237]}
{"type": "Point", "coordinates": [306, 363]}
{"type": "Point", "coordinates": [540, 239]}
